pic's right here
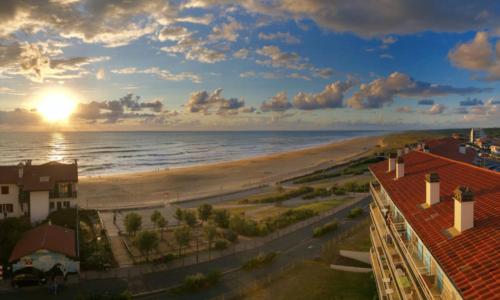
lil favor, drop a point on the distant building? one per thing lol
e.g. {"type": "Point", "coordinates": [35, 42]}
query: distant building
{"type": "Point", "coordinates": [495, 149]}
{"type": "Point", "coordinates": [46, 248]}
{"type": "Point", "coordinates": [452, 148]}
{"type": "Point", "coordinates": [37, 190]}
{"type": "Point", "coordinates": [435, 229]}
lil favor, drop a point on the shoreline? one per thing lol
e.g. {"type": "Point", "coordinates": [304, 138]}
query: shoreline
{"type": "Point", "coordinates": [215, 163]}
{"type": "Point", "coordinates": [205, 180]}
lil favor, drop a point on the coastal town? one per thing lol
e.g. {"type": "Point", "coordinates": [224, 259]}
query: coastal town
{"type": "Point", "coordinates": [61, 245]}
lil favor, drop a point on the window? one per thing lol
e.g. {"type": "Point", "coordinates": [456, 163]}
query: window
{"type": "Point", "coordinates": [66, 204]}
{"type": "Point", "coordinates": [9, 208]}
{"type": "Point", "coordinates": [5, 190]}
{"type": "Point", "coordinates": [59, 205]}
{"type": "Point", "coordinates": [439, 279]}
{"type": "Point", "coordinates": [51, 205]}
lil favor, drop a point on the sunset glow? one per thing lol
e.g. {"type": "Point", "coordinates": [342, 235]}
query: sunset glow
{"type": "Point", "coordinates": [56, 106]}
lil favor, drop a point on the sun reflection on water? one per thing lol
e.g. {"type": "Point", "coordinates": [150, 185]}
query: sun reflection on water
{"type": "Point", "coordinates": [57, 147]}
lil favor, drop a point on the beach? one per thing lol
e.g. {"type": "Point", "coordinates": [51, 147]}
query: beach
{"type": "Point", "coordinates": [180, 184]}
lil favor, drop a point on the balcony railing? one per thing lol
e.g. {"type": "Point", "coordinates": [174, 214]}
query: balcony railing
{"type": "Point", "coordinates": [385, 284]}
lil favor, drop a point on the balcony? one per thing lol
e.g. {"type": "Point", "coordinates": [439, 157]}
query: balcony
{"type": "Point", "coordinates": [399, 272]}
{"type": "Point", "coordinates": [385, 282]}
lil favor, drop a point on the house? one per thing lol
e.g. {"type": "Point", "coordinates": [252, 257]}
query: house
{"type": "Point", "coordinates": [495, 149]}
{"type": "Point", "coordinates": [453, 149]}
{"type": "Point", "coordinates": [46, 248]}
{"type": "Point", "coordinates": [36, 190]}
{"type": "Point", "coordinates": [435, 228]}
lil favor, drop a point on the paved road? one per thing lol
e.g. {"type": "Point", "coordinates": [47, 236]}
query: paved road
{"type": "Point", "coordinates": [294, 246]}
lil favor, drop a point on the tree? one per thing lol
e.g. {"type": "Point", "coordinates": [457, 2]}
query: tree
{"type": "Point", "coordinates": [189, 218]}
{"type": "Point", "coordinates": [159, 220]}
{"type": "Point", "coordinates": [182, 236]}
{"type": "Point", "coordinates": [210, 232]}
{"type": "Point", "coordinates": [162, 223]}
{"type": "Point", "coordinates": [221, 217]}
{"type": "Point", "coordinates": [147, 241]}
{"type": "Point", "coordinates": [132, 222]}
{"type": "Point", "coordinates": [179, 215]}
{"type": "Point", "coordinates": [204, 212]}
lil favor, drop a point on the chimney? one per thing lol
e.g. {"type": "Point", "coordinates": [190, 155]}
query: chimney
{"type": "Point", "coordinates": [28, 162]}
{"type": "Point", "coordinates": [462, 149]}
{"type": "Point", "coordinates": [400, 167]}
{"type": "Point", "coordinates": [426, 149]}
{"type": "Point", "coordinates": [431, 189]}
{"type": "Point", "coordinates": [464, 208]}
{"type": "Point", "coordinates": [391, 162]}
{"type": "Point", "coordinates": [20, 169]}
{"type": "Point", "coordinates": [76, 161]}
{"type": "Point", "coordinates": [407, 149]}
{"type": "Point", "coordinates": [400, 152]}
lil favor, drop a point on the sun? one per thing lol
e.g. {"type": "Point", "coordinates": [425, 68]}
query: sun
{"type": "Point", "coordinates": [56, 106]}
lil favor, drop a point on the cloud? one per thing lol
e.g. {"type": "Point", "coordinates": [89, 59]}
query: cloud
{"type": "Point", "coordinates": [195, 49]}
{"type": "Point", "coordinates": [436, 109]}
{"type": "Point", "coordinates": [242, 53]}
{"type": "Point", "coordinates": [425, 102]}
{"type": "Point", "coordinates": [114, 111]}
{"type": "Point", "coordinates": [471, 102]}
{"type": "Point", "coordinates": [461, 111]}
{"type": "Point", "coordinates": [331, 97]}
{"type": "Point", "coordinates": [204, 20]}
{"type": "Point", "coordinates": [404, 109]}
{"type": "Point", "coordinates": [278, 102]}
{"type": "Point", "coordinates": [206, 103]}
{"type": "Point", "coordinates": [285, 37]}
{"type": "Point", "coordinates": [395, 17]}
{"type": "Point", "coordinates": [386, 56]}
{"type": "Point", "coordinates": [19, 117]}
{"type": "Point", "coordinates": [382, 91]}
{"type": "Point", "coordinates": [173, 33]}
{"type": "Point", "coordinates": [36, 61]}
{"type": "Point", "coordinates": [389, 40]}
{"type": "Point", "coordinates": [227, 31]}
{"type": "Point", "coordinates": [9, 91]}
{"type": "Point", "coordinates": [322, 72]}
{"type": "Point", "coordinates": [161, 73]}
{"type": "Point", "coordinates": [100, 74]}
{"type": "Point", "coordinates": [478, 55]}
{"type": "Point", "coordinates": [280, 59]}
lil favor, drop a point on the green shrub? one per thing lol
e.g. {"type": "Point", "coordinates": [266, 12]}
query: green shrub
{"type": "Point", "coordinates": [220, 244]}
{"type": "Point", "coordinates": [243, 226]}
{"type": "Point", "coordinates": [259, 261]}
{"type": "Point", "coordinates": [319, 192]}
{"type": "Point", "coordinates": [355, 212]}
{"type": "Point", "coordinates": [199, 281]}
{"type": "Point", "coordinates": [322, 230]}
{"type": "Point", "coordinates": [285, 196]}
{"type": "Point", "coordinates": [221, 217]}
{"type": "Point", "coordinates": [289, 217]}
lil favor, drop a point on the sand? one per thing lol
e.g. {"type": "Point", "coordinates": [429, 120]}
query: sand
{"type": "Point", "coordinates": [150, 188]}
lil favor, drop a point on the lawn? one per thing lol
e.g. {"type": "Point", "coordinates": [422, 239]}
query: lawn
{"type": "Point", "coordinates": [321, 206]}
{"type": "Point", "coordinates": [315, 280]}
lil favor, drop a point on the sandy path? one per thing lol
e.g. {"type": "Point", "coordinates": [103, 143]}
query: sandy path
{"type": "Point", "coordinates": [186, 183]}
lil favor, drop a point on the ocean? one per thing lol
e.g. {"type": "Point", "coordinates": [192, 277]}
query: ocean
{"type": "Point", "coordinates": [100, 153]}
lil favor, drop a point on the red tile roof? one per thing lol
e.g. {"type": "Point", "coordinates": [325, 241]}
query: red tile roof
{"type": "Point", "coordinates": [32, 174]}
{"type": "Point", "coordinates": [448, 147]}
{"type": "Point", "coordinates": [47, 237]}
{"type": "Point", "coordinates": [472, 258]}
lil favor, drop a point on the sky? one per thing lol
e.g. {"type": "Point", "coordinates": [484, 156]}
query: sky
{"type": "Point", "coordinates": [249, 64]}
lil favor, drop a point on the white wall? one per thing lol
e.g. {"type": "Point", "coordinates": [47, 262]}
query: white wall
{"type": "Point", "coordinates": [11, 198]}
{"type": "Point", "coordinates": [39, 206]}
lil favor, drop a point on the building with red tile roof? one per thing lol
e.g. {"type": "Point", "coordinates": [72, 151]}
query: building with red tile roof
{"type": "Point", "coordinates": [45, 247]}
{"type": "Point", "coordinates": [452, 148]}
{"type": "Point", "coordinates": [444, 240]}
{"type": "Point", "coordinates": [36, 190]}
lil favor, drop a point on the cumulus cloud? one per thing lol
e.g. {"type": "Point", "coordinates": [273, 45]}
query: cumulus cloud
{"type": "Point", "coordinates": [206, 103]}
{"type": "Point", "coordinates": [471, 102]}
{"type": "Point", "coordinates": [331, 97]}
{"type": "Point", "coordinates": [425, 102]}
{"type": "Point", "coordinates": [114, 111]}
{"type": "Point", "coordinates": [278, 102]}
{"type": "Point", "coordinates": [461, 110]}
{"type": "Point", "coordinates": [173, 33]}
{"type": "Point", "coordinates": [322, 72]}
{"type": "Point", "coordinates": [285, 37]}
{"type": "Point", "coordinates": [280, 59]}
{"type": "Point", "coordinates": [478, 55]}
{"type": "Point", "coordinates": [436, 109]}
{"type": "Point", "coordinates": [382, 91]}
{"type": "Point", "coordinates": [100, 74]}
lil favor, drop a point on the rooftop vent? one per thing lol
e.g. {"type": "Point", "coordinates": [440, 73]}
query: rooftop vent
{"type": "Point", "coordinates": [464, 208]}
{"type": "Point", "coordinates": [426, 148]}
{"type": "Point", "coordinates": [461, 149]}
